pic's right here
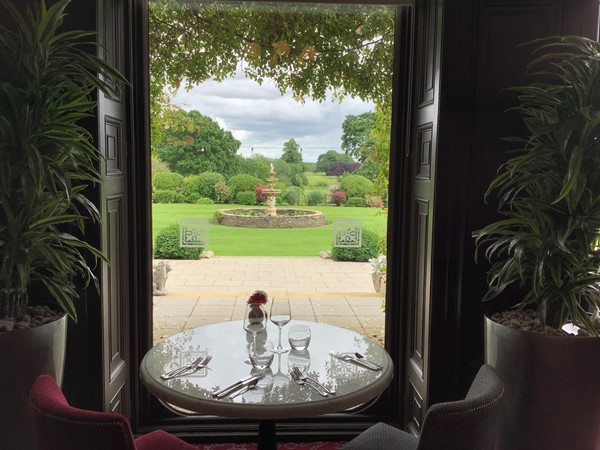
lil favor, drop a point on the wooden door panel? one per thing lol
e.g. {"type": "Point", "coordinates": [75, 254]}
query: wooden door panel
{"type": "Point", "coordinates": [115, 300]}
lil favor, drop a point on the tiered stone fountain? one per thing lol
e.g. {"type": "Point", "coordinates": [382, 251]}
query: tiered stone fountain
{"type": "Point", "coordinates": [270, 217]}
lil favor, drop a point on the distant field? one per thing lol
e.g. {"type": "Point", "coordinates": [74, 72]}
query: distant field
{"type": "Point", "coordinates": [319, 182]}
{"type": "Point", "coordinates": [234, 241]}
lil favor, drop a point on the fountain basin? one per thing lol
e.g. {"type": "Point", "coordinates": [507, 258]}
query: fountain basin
{"type": "Point", "coordinates": [258, 218]}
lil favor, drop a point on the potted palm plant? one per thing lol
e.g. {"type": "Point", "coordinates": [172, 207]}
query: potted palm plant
{"type": "Point", "coordinates": [546, 244]}
{"type": "Point", "coordinates": [47, 160]}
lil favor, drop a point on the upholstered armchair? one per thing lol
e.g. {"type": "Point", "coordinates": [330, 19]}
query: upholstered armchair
{"type": "Point", "coordinates": [58, 426]}
{"type": "Point", "coordinates": [468, 424]}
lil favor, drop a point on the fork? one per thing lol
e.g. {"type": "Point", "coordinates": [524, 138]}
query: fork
{"type": "Point", "coordinates": [201, 361]}
{"type": "Point", "coordinates": [297, 371]}
{"type": "Point", "coordinates": [301, 382]}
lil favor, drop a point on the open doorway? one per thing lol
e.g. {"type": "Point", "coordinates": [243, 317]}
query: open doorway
{"type": "Point", "coordinates": [256, 97]}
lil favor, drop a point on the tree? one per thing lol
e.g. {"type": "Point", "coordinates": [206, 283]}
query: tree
{"type": "Point", "coordinates": [339, 49]}
{"type": "Point", "coordinates": [329, 158]}
{"type": "Point", "coordinates": [380, 150]}
{"type": "Point", "coordinates": [292, 153]}
{"type": "Point", "coordinates": [356, 135]}
{"type": "Point", "coordinates": [193, 143]}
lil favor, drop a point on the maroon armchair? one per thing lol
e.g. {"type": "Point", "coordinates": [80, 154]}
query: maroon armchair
{"type": "Point", "coordinates": [58, 426]}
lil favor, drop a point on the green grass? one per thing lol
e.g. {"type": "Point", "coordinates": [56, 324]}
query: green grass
{"type": "Point", "coordinates": [237, 241]}
{"type": "Point", "coordinates": [319, 182]}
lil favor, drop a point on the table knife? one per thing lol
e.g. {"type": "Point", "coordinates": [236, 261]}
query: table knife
{"type": "Point", "coordinates": [237, 385]}
{"type": "Point", "coordinates": [353, 359]}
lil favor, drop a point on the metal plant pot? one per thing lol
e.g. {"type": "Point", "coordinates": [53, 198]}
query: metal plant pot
{"type": "Point", "coordinates": [552, 390]}
{"type": "Point", "coordinates": [25, 354]}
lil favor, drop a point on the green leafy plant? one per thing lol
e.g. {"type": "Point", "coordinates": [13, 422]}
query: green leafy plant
{"type": "Point", "coordinates": [368, 250]}
{"type": "Point", "coordinates": [46, 157]}
{"type": "Point", "coordinates": [315, 198]}
{"type": "Point", "coordinates": [549, 193]}
{"type": "Point", "coordinates": [162, 196]}
{"type": "Point", "coordinates": [357, 186]}
{"type": "Point", "coordinates": [357, 202]}
{"type": "Point", "coordinates": [242, 182]}
{"type": "Point", "coordinates": [167, 245]}
{"type": "Point", "coordinates": [168, 181]}
{"type": "Point", "coordinates": [292, 195]}
{"type": "Point", "coordinates": [245, 198]}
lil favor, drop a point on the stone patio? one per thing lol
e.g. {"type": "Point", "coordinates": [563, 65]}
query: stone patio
{"type": "Point", "coordinates": [215, 290]}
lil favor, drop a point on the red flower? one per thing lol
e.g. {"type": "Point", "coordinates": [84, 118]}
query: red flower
{"type": "Point", "coordinates": [258, 298]}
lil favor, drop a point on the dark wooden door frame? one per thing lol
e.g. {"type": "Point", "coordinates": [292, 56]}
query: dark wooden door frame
{"type": "Point", "coordinates": [149, 413]}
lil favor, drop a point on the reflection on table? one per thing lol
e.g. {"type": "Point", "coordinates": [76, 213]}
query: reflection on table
{"type": "Point", "coordinates": [276, 396]}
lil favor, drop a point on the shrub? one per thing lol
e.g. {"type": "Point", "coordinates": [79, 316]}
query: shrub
{"type": "Point", "coordinates": [167, 181]}
{"type": "Point", "coordinates": [292, 195]}
{"type": "Point", "coordinates": [314, 198]}
{"type": "Point", "coordinates": [374, 201]}
{"type": "Point", "coordinates": [368, 170]}
{"type": "Point", "coordinates": [208, 181]}
{"type": "Point", "coordinates": [179, 198]}
{"type": "Point", "coordinates": [222, 192]}
{"type": "Point", "coordinates": [339, 168]}
{"type": "Point", "coordinates": [191, 185]}
{"type": "Point", "coordinates": [260, 197]}
{"type": "Point", "coordinates": [245, 198]}
{"type": "Point", "coordinates": [205, 201]}
{"type": "Point", "coordinates": [167, 245]}
{"type": "Point", "coordinates": [193, 197]}
{"type": "Point", "coordinates": [162, 196]}
{"type": "Point", "coordinates": [357, 186]}
{"type": "Point", "coordinates": [357, 202]}
{"type": "Point", "coordinates": [369, 249]}
{"type": "Point", "coordinates": [338, 197]}
{"type": "Point", "coordinates": [242, 182]}
{"type": "Point", "coordinates": [218, 216]}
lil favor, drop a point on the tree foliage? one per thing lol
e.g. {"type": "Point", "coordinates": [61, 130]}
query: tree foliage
{"type": "Point", "coordinates": [356, 135]}
{"type": "Point", "coordinates": [193, 143]}
{"type": "Point", "coordinates": [329, 158]}
{"type": "Point", "coordinates": [379, 154]}
{"type": "Point", "coordinates": [292, 153]}
{"type": "Point", "coordinates": [312, 50]}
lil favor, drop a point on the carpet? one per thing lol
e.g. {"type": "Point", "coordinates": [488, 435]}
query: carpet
{"type": "Point", "coordinates": [281, 446]}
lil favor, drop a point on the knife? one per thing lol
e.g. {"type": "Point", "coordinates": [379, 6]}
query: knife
{"type": "Point", "coordinates": [238, 384]}
{"type": "Point", "coordinates": [360, 362]}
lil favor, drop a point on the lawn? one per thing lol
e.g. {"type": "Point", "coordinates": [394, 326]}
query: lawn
{"type": "Point", "coordinates": [235, 241]}
{"type": "Point", "coordinates": [319, 182]}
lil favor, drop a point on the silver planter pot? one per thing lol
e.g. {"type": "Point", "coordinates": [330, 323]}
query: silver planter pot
{"type": "Point", "coordinates": [24, 355]}
{"type": "Point", "coordinates": [552, 388]}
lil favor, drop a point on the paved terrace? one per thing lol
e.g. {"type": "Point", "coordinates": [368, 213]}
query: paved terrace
{"type": "Point", "coordinates": [216, 290]}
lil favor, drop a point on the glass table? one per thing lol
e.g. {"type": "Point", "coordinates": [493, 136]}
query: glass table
{"type": "Point", "coordinates": [276, 396]}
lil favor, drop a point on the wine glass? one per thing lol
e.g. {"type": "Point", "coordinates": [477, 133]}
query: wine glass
{"type": "Point", "coordinates": [280, 315]}
{"type": "Point", "coordinates": [255, 320]}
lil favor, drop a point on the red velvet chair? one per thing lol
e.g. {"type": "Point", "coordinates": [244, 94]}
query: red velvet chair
{"type": "Point", "coordinates": [58, 426]}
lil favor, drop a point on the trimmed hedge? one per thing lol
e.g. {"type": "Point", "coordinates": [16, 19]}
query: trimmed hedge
{"type": "Point", "coordinates": [167, 245]}
{"type": "Point", "coordinates": [356, 202]}
{"type": "Point", "coordinates": [357, 186]}
{"type": "Point", "coordinates": [208, 181]}
{"type": "Point", "coordinates": [245, 198]}
{"type": "Point", "coordinates": [167, 181]}
{"type": "Point", "coordinates": [242, 182]}
{"type": "Point", "coordinates": [161, 196]}
{"type": "Point", "coordinates": [368, 250]}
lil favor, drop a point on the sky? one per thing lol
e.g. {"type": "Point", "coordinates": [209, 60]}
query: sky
{"type": "Point", "coordinates": [261, 118]}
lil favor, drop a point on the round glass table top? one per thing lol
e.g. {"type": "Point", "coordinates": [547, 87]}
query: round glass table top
{"type": "Point", "coordinates": [276, 396]}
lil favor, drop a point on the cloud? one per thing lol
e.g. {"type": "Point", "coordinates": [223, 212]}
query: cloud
{"type": "Point", "coordinates": [262, 119]}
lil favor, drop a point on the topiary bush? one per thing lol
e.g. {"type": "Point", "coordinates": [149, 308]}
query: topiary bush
{"type": "Point", "coordinates": [292, 195]}
{"type": "Point", "coordinates": [338, 197]}
{"type": "Point", "coordinates": [245, 198]}
{"type": "Point", "coordinates": [167, 245]}
{"type": "Point", "coordinates": [208, 182]}
{"type": "Point", "coordinates": [190, 185]}
{"type": "Point", "coordinates": [161, 196]}
{"type": "Point", "coordinates": [357, 202]}
{"type": "Point", "coordinates": [179, 198]}
{"type": "Point", "coordinates": [242, 182]}
{"type": "Point", "coordinates": [314, 198]}
{"type": "Point", "coordinates": [167, 181]}
{"type": "Point", "coordinates": [193, 197]}
{"type": "Point", "coordinates": [369, 249]}
{"type": "Point", "coordinates": [357, 186]}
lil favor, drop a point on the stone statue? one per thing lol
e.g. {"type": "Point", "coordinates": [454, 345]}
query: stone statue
{"type": "Point", "coordinates": [159, 278]}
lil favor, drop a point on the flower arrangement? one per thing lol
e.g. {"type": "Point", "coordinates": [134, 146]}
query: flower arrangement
{"type": "Point", "coordinates": [258, 298]}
